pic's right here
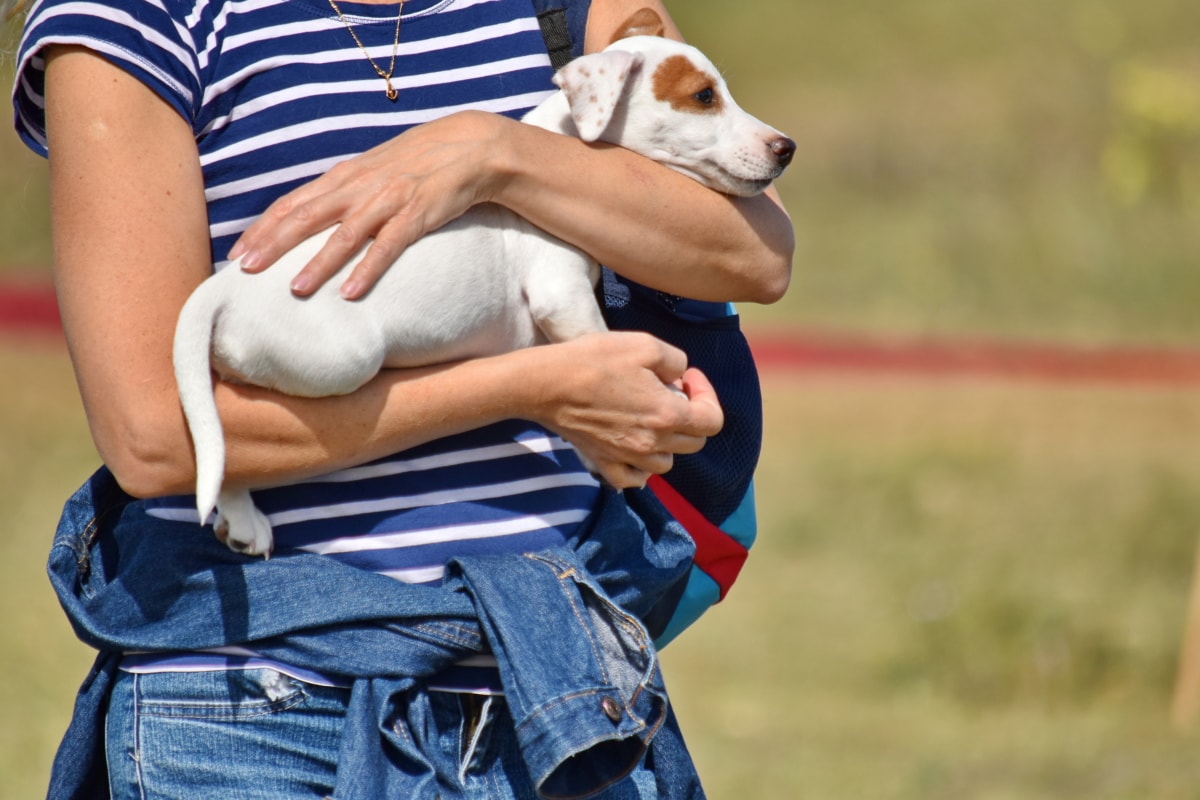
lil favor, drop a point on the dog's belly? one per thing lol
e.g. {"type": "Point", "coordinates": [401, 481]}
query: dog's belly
{"type": "Point", "coordinates": [454, 294]}
{"type": "Point", "coordinates": [300, 358]}
{"type": "Point", "coordinates": [451, 295]}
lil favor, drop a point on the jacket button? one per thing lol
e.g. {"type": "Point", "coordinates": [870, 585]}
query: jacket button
{"type": "Point", "coordinates": [611, 709]}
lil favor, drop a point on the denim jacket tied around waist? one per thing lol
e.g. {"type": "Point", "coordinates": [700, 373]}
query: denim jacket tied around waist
{"type": "Point", "coordinates": [563, 625]}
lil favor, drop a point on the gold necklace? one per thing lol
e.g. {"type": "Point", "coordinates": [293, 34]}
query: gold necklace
{"type": "Point", "coordinates": [387, 76]}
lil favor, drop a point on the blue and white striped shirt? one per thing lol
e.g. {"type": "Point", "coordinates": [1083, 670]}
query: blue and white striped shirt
{"type": "Point", "coordinates": [277, 92]}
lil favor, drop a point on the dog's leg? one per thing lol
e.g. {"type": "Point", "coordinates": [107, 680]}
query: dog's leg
{"type": "Point", "coordinates": [241, 526]}
{"type": "Point", "coordinates": [565, 322]}
{"type": "Point", "coordinates": [560, 290]}
{"type": "Point", "coordinates": [559, 287]}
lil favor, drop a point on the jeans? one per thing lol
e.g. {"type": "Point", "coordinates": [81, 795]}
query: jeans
{"type": "Point", "coordinates": [256, 734]}
{"type": "Point", "coordinates": [580, 673]}
{"type": "Point", "coordinates": [240, 734]}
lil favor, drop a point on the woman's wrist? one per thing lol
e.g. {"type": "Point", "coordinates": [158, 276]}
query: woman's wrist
{"type": "Point", "coordinates": [504, 144]}
{"type": "Point", "coordinates": [522, 384]}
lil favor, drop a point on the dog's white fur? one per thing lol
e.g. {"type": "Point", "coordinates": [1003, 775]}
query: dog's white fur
{"type": "Point", "coordinates": [486, 283]}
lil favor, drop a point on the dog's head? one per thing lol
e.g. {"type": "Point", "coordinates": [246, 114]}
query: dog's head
{"type": "Point", "coordinates": [666, 100]}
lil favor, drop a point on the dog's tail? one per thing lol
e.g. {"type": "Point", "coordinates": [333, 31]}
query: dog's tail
{"type": "Point", "coordinates": [193, 374]}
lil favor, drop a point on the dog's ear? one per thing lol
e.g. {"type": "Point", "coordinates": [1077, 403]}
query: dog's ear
{"type": "Point", "coordinates": [643, 22]}
{"type": "Point", "coordinates": [593, 85]}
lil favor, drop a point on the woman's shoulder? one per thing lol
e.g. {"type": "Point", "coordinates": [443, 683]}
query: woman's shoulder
{"type": "Point", "coordinates": [176, 48]}
{"type": "Point", "coordinates": [142, 37]}
{"type": "Point", "coordinates": [192, 32]}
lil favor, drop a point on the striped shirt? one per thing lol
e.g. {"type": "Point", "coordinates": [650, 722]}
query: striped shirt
{"type": "Point", "coordinates": [277, 92]}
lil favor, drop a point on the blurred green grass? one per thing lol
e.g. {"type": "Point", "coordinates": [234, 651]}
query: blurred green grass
{"type": "Point", "coordinates": [1018, 169]}
{"type": "Point", "coordinates": [962, 589]}
{"type": "Point", "coordinates": [45, 450]}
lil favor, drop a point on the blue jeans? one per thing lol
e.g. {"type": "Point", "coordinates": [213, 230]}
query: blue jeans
{"type": "Point", "coordinates": [256, 734]}
{"type": "Point", "coordinates": [580, 673]}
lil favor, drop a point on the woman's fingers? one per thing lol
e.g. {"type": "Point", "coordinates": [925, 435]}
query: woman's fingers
{"type": "Point", "coordinates": [394, 236]}
{"type": "Point", "coordinates": [624, 476]}
{"type": "Point", "coordinates": [630, 405]}
{"type": "Point", "coordinates": [359, 215]}
{"type": "Point", "coordinates": [384, 199]}
{"type": "Point", "coordinates": [288, 221]}
{"type": "Point", "coordinates": [705, 415]}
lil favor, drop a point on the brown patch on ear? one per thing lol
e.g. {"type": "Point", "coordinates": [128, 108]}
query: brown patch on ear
{"type": "Point", "coordinates": [644, 22]}
{"type": "Point", "coordinates": [678, 81]}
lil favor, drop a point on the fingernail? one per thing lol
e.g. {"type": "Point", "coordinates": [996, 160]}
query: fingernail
{"type": "Point", "coordinates": [249, 260]}
{"type": "Point", "coordinates": [350, 289]}
{"type": "Point", "coordinates": [301, 284]}
{"type": "Point", "coordinates": [237, 249]}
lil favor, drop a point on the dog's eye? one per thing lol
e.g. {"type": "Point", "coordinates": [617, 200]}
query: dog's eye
{"type": "Point", "coordinates": [705, 96]}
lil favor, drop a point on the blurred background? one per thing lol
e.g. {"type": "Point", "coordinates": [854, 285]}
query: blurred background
{"type": "Point", "coordinates": [965, 585]}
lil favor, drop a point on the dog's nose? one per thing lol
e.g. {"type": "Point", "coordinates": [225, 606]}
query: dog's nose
{"type": "Point", "coordinates": [783, 148]}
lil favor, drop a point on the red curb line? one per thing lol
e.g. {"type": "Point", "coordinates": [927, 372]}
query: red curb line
{"type": "Point", "coordinates": [813, 353]}
{"type": "Point", "coordinates": [28, 308]}
{"type": "Point", "coordinates": [33, 309]}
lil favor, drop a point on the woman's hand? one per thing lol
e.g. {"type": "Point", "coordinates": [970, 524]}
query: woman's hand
{"type": "Point", "coordinates": [394, 193]}
{"type": "Point", "coordinates": [628, 402]}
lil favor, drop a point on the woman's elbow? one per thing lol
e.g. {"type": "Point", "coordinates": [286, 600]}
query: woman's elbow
{"type": "Point", "coordinates": [147, 462]}
{"type": "Point", "coordinates": [774, 282]}
{"type": "Point", "coordinates": [768, 274]}
{"type": "Point", "coordinates": [767, 264]}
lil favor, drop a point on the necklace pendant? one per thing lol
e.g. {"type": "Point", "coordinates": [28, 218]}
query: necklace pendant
{"type": "Point", "coordinates": [391, 92]}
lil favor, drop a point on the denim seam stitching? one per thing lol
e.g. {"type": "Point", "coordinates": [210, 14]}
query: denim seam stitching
{"type": "Point", "coordinates": [561, 701]}
{"type": "Point", "coordinates": [620, 616]}
{"type": "Point", "coordinates": [137, 739]}
{"type": "Point", "coordinates": [400, 727]}
{"type": "Point", "coordinates": [617, 779]}
{"type": "Point", "coordinates": [265, 710]}
{"type": "Point", "coordinates": [444, 633]}
{"type": "Point", "coordinates": [571, 598]}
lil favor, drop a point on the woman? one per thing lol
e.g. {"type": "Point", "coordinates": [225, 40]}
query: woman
{"type": "Point", "coordinates": [170, 129]}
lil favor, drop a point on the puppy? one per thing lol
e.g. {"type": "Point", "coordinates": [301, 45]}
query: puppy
{"type": "Point", "coordinates": [487, 283]}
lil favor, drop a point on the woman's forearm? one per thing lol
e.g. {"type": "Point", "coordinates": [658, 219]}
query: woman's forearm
{"type": "Point", "coordinates": [274, 439]}
{"type": "Point", "coordinates": [646, 221]}
{"type": "Point", "coordinates": [605, 393]}
{"type": "Point", "coordinates": [642, 219]}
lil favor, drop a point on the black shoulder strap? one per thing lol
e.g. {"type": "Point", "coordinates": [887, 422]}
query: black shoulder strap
{"type": "Point", "coordinates": [563, 23]}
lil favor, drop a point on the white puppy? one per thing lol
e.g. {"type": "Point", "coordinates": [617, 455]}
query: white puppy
{"type": "Point", "coordinates": [486, 283]}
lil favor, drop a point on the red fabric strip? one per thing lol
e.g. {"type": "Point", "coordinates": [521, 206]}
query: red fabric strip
{"type": "Point", "coordinates": [718, 554]}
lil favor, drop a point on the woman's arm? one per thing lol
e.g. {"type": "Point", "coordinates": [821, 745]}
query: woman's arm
{"type": "Point", "coordinates": [642, 219]}
{"type": "Point", "coordinates": [131, 243]}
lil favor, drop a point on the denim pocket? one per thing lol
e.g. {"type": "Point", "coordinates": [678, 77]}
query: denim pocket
{"type": "Point", "coordinates": [249, 734]}
{"type": "Point", "coordinates": [222, 694]}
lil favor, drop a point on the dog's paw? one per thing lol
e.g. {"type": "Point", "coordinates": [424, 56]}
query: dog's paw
{"type": "Point", "coordinates": [244, 529]}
